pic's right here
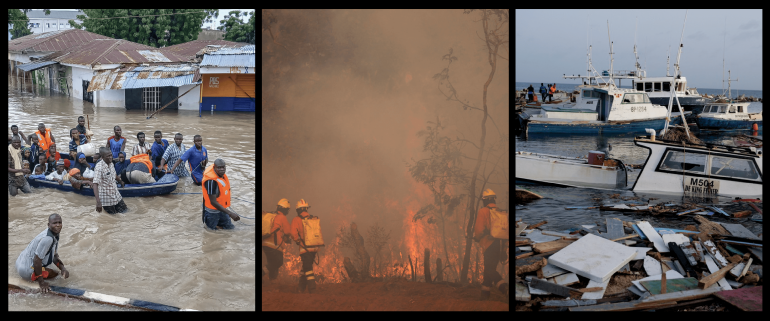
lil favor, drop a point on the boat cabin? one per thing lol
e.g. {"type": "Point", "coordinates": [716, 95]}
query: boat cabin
{"type": "Point", "coordinates": [726, 111]}
{"type": "Point", "coordinates": [662, 84]}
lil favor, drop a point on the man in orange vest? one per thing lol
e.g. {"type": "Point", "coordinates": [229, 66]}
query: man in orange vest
{"type": "Point", "coordinates": [306, 276]}
{"type": "Point", "coordinates": [550, 93]}
{"type": "Point", "coordinates": [274, 244]}
{"type": "Point", "coordinates": [490, 245]}
{"type": "Point", "coordinates": [45, 137]}
{"type": "Point", "coordinates": [216, 198]}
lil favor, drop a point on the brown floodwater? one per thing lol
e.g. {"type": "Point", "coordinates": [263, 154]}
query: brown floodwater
{"type": "Point", "coordinates": [159, 250]}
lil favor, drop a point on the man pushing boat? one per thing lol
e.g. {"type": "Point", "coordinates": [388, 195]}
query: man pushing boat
{"type": "Point", "coordinates": [40, 253]}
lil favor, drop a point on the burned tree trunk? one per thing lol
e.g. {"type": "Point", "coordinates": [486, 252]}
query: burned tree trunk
{"type": "Point", "coordinates": [411, 267]}
{"type": "Point", "coordinates": [358, 241]}
{"type": "Point", "coordinates": [427, 266]}
{"type": "Point", "coordinates": [351, 269]}
{"type": "Point", "coordinates": [439, 270]}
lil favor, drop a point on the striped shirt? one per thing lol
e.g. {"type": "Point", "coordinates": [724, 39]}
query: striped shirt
{"type": "Point", "coordinates": [171, 155]}
{"type": "Point", "coordinates": [104, 175]}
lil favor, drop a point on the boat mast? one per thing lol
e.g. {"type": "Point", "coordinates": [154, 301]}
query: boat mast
{"type": "Point", "coordinates": [673, 82]}
{"type": "Point", "coordinates": [729, 91]}
{"type": "Point", "coordinates": [668, 62]}
{"type": "Point", "coordinates": [724, 44]}
{"type": "Point", "coordinates": [638, 66]}
{"type": "Point", "coordinates": [611, 58]}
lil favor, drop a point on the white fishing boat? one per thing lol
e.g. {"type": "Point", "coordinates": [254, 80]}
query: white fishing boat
{"type": "Point", "coordinates": [728, 116]}
{"type": "Point", "coordinates": [707, 170]}
{"type": "Point", "coordinates": [596, 171]}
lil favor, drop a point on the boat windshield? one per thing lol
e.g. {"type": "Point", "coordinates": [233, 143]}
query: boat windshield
{"type": "Point", "coordinates": [675, 160]}
{"type": "Point", "coordinates": [635, 98]}
{"type": "Point", "coordinates": [734, 167]}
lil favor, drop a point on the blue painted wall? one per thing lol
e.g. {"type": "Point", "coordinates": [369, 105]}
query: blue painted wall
{"type": "Point", "coordinates": [228, 104]}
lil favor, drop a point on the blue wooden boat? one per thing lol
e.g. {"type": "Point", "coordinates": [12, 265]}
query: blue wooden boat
{"type": "Point", "coordinates": [165, 185]}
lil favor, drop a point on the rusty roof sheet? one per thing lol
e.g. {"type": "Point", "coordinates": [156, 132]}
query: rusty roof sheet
{"type": "Point", "coordinates": [57, 40]}
{"type": "Point", "coordinates": [114, 51]}
{"type": "Point", "coordinates": [244, 50]}
{"type": "Point", "coordinates": [231, 57]}
{"type": "Point", "coordinates": [145, 76]}
{"type": "Point", "coordinates": [188, 49]}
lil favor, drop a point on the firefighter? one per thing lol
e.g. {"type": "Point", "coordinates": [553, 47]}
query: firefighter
{"type": "Point", "coordinates": [491, 246]}
{"type": "Point", "coordinates": [274, 244]}
{"type": "Point", "coordinates": [306, 277]}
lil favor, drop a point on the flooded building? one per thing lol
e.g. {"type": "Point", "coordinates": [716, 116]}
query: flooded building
{"type": "Point", "coordinates": [228, 79]}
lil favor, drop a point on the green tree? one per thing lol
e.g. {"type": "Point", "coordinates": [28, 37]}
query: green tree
{"type": "Point", "coordinates": [168, 29]}
{"type": "Point", "coordinates": [236, 30]}
{"type": "Point", "coordinates": [18, 17]}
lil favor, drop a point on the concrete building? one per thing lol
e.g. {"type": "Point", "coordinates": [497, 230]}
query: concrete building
{"type": "Point", "coordinates": [39, 22]}
{"type": "Point", "coordinates": [228, 79]}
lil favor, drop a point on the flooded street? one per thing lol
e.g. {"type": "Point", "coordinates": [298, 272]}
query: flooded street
{"type": "Point", "coordinates": [158, 250]}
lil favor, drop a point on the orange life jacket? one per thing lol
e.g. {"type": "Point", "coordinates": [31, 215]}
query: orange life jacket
{"type": "Point", "coordinates": [553, 89]}
{"type": "Point", "coordinates": [44, 142]}
{"type": "Point", "coordinates": [142, 158]}
{"type": "Point", "coordinates": [224, 188]}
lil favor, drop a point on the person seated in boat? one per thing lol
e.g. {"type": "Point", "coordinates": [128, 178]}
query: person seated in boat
{"type": "Point", "coordinates": [106, 187]}
{"type": "Point", "coordinates": [34, 149]}
{"type": "Point", "coordinates": [76, 139]}
{"type": "Point", "coordinates": [82, 129]}
{"type": "Point", "coordinates": [43, 163]}
{"type": "Point", "coordinates": [81, 164]}
{"type": "Point", "coordinates": [25, 153]}
{"type": "Point", "coordinates": [156, 152]}
{"type": "Point", "coordinates": [78, 180]}
{"type": "Point", "coordinates": [116, 143]}
{"type": "Point", "coordinates": [26, 166]}
{"type": "Point", "coordinates": [53, 153]}
{"type": "Point", "coordinates": [121, 163]}
{"type": "Point", "coordinates": [58, 174]}
{"type": "Point", "coordinates": [139, 171]}
{"type": "Point", "coordinates": [39, 170]}
{"type": "Point", "coordinates": [33, 263]}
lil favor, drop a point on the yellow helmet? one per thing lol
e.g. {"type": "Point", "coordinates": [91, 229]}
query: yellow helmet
{"type": "Point", "coordinates": [302, 203]}
{"type": "Point", "coordinates": [487, 192]}
{"type": "Point", "coordinates": [284, 203]}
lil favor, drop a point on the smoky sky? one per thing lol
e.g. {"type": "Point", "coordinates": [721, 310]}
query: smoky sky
{"type": "Point", "coordinates": [344, 93]}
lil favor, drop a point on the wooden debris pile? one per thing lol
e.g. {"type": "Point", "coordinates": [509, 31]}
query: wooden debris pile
{"type": "Point", "coordinates": [627, 266]}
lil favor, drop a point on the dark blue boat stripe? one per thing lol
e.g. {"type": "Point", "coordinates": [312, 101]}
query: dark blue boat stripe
{"type": "Point", "coordinates": [152, 305]}
{"type": "Point", "coordinates": [69, 291]}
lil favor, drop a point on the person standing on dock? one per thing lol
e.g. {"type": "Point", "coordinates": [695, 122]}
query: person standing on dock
{"type": "Point", "coordinates": [543, 92]}
{"type": "Point", "coordinates": [550, 93]}
{"type": "Point", "coordinates": [530, 93]}
{"type": "Point", "coordinates": [40, 253]}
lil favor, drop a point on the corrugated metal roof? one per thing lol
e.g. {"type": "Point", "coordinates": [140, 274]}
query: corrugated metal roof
{"type": "Point", "coordinates": [114, 51]}
{"type": "Point", "coordinates": [145, 76]}
{"type": "Point", "coordinates": [188, 49]}
{"type": "Point", "coordinates": [229, 61]}
{"type": "Point", "coordinates": [55, 14]}
{"type": "Point", "coordinates": [250, 49]}
{"type": "Point", "coordinates": [35, 65]}
{"type": "Point", "coordinates": [57, 40]}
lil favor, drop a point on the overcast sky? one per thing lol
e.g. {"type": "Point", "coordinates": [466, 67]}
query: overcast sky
{"type": "Point", "coordinates": [550, 43]}
{"type": "Point", "coordinates": [215, 24]}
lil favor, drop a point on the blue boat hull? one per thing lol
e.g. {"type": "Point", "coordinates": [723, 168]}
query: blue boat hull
{"type": "Point", "coordinates": [726, 124]}
{"type": "Point", "coordinates": [166, 185]}
{"type": "Point", "coordinates": [614, 127]}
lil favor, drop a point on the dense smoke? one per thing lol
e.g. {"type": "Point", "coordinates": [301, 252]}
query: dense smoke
{"type": "Point", "coordinates": [344, 93]}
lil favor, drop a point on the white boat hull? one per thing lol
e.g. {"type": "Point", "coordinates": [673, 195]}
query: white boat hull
{"type": "Point", "coordinates": [566, 171]}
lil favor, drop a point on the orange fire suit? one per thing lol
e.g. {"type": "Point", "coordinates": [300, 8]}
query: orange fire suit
{"type": "Point", "coordinates": [307, 277]}
{"type": "Point", "coordinates": [274, 245]}
{"type": "Point", "coordinates": [298, 233]}
{"type": "Point", "coordinates": [482, 230]}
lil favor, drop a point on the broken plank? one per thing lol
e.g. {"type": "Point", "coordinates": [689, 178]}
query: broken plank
{"type": "Point", "coordinates": [653, 236]}
{"type": "Point", "coordinates": [596, 289]}
{"type": "Point", "coordinates": [522, 293]}
{"type": "Point", "coordinates": [746, 299]}
{"type": "Point", "coordinates": [551, 287]}
{"type": "Point", "coordinates": [614, 228]}
{"type": "Point", "coordinates": [745, 269]}
{"type": "Point", "coordinates": [675, 285]}
{"type": "Point", "coordinates": [709, 227]}
{"type": "Point", "coordinates": [678, 296]}
{"type": "Point", "coordinates": [621, 306]}
{"type": "Point", "coordinates": [546, 247]}
{"type": "Point", "coordinates": [712, 249]}
{"type": "Point", "coordinates": [736, 271]}
{"type": "Point", "coordinates": [551, 270]}
{"type": "Point", "coordinates": [596, 294]}
{"type": "Point", "coordinates": [564, 235]}
{"type": "Point", "coordinates": [652, 266]}
{"type": "Point", "coordinates": [538, 224]}
{"type": "Point", "coordinates": [593, 257]}
{"type": "Point", "coordinates": [739, 230]}
{"type": "Point", "coordinates": [566, 279]}
{"type": "Point", "coordinates": [715, 276]}
{"type": "Point", "coordinates": [568, 303]}
{"type": "Point", "coordinates": [687, 268]}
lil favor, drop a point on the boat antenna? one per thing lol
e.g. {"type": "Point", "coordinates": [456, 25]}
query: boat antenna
{"type": "Point", "coordinates": [724, 44]}
{"type": "Point", "coordinates": [673, 82]}
{"type": "Point", "coordinates": [729, 91]}
{"type": "Point", "coordinates": [638, 66]}
{"type": "Point", "coordinates": [611, 58]}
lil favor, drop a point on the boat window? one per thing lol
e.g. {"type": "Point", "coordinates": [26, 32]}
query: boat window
{"type": "Point", "coordinates": [657, 86]}
{"type": "Point", "coordinates": [666, 86]}
{"type": "Point", "coordinates": [635, 98]}
{"type": "Point", "coordinates": [722, 109]}
{"type": "Point", "coordinates": [640, 86]}
{"type": "Point", "coordinates": [732, 109]}
{"type": "Point", "coordinates": [740, 109]}
{"type": "Point", "coordinates": [648, 87]}
{"type": "Point", "coordinates": [733, 167]}
{"type": "Point", "coordinates": [678, 161]}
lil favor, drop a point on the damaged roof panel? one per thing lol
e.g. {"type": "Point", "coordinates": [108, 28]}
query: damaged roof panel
{"type": "Point", "coordinates": [57, 40]}
{"type": "Point", "coordinates": [145, 76]}
{"type": "Point", "coordinates": [115, 51]}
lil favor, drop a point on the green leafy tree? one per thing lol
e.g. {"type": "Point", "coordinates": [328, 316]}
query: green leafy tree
{"type": "Point", "coordinates": [20, 21]}
{"type": "Point", "coordinates": [236, 30]}
{"type": "Point", "coordinates": [171, 27]}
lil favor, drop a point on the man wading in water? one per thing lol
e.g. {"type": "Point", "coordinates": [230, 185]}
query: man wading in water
{"type": "Point", "coordinates": [40, 253]}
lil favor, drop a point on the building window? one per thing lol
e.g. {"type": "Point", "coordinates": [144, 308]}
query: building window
{"type": "Point", "coordinates": [151, 98]}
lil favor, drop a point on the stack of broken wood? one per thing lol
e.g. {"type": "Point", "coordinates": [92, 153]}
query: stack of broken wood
{"type": "Point", "coordinates": [597, 268]}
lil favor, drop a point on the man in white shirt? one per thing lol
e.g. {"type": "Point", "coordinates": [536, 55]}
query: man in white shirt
{"type": "Point", "coordinates": [58, 174]}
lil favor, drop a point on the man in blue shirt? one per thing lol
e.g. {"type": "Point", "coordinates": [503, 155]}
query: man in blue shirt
{"type": "Point", "coordinates": [198, 157]}
{"type": "Point", "coordinates": [157, 151]}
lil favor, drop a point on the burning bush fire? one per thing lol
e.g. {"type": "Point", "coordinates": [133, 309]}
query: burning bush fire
{"type": "Point", "coordinates": [356, 134]}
